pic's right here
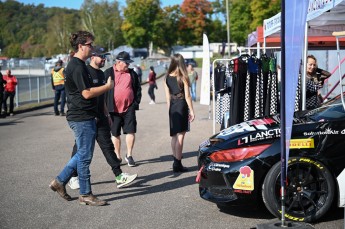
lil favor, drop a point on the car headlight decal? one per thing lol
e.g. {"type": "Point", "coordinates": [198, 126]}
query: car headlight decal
{"type": "Point", "coordinates": [238, 154]}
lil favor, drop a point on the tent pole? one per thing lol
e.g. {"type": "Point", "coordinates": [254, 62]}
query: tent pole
{"type": "Point", "coordinates": [304, 67]}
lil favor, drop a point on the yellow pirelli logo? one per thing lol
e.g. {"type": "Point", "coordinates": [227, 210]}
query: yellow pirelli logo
{"type": "Point", "coordinates": [301, 143]}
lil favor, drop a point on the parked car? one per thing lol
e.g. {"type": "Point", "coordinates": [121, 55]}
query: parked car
{"type": "Point", "coordinates": [190, 61]}
{"type": "Point", "coordinates": [242, 164]}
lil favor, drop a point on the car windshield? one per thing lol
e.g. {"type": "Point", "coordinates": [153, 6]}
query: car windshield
{"type": "Point", "coordinates": [331, 110]}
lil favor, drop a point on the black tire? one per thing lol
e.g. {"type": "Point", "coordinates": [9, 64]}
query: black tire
{"type": "Point", "coordinates": [309, 190]}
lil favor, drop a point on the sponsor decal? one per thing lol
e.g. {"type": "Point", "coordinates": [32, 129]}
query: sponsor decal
{"type": "Point", "coordinates": [217, 167]}
{"type": "Point", "coordinates": [307, 160]}
{"type": "Point", "coordinates": [245, 180]}
{"type": "Point", "coordinates": [264, 135]}
{"type": "Point", "coordinates": [237, 129]}
{"type": "Point", "coordinates": [294, 218]}
{"type": "Point", "coordinates": [204, 143]}
{"type": "Point", "coordinates": [301, 143]}
{"type": "Point", "coordinates": [327, 131]}
{"type": "Point", "coordinates": [243, 191]}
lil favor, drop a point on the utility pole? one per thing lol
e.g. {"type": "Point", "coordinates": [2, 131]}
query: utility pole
{"type": "Point", "coordinates": [228, 26]}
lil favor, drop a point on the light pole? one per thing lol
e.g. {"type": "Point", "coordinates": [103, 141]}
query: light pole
{"type": "Point", "coordinates": [228, 26]}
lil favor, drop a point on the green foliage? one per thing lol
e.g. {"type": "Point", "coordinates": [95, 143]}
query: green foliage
{"type": "Point", "coordinates": [240, 19]}
{"type": "Point", "coordinates": [143, 23]}
{"type": "Point", "coordinates": [35, 31]}
{"type": "Point", "coordinates": [103, 19]}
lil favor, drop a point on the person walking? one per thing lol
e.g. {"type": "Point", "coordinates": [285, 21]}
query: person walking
{"type": "Point", "coordinates": [81, 117]}
{"type": "Point", "coordinates": [180, 106]}
{"type": "Point", "coordinates": [2, 85]}
{"type": "Point", "coordinates": [58, 85]}
{"type": "Point", "coordinates": [103, 135]}
{"type": "Point", "coordinates": [152, 85]}
{"type": "Point", "coordinates": [9, 91]}
{"type": "Point", "coordinates": [315, 78]}
{"type": "Point", "coordinates": [123, 100]}
{"type": "Point", "coordinates": [193, 77]}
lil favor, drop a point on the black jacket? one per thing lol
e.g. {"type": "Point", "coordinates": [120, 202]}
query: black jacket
{"type": "Point", "coordinates": [109, 95]}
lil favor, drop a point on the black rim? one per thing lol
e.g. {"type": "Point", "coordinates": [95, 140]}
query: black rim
{"type": "Point", "coordinates": [306, 190]}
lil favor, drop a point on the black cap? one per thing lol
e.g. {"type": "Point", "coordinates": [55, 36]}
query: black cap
{"type": "Point", "coordinates": [124, 56]}
{"type": "Point", "coordinates": [59, 62]}
{"type": "Point", "coordinates": [99, 51]}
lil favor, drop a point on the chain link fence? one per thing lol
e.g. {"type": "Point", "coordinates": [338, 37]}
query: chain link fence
{"type": "Point", "coordinates": [34, 78]}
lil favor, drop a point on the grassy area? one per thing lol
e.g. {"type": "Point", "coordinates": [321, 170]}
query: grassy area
{"type": "Point", "coordinates": [33, 106]}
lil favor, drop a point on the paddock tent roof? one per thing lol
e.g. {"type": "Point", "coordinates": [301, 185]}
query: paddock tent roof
{"type": "Point", "coordinates": [324, 17]}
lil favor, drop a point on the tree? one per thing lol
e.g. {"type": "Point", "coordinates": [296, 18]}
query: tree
{"type": "Point", "coordinates": [59, 28]}
{"type": "Point", "coordinates": [143, 23]}
{"type": "Point", "coordinates": [263, 9]}
{"type": "Point", "coordinates": [103, 19]}
{"type": "Point", "coordinates": [194, 20]}
{"type": "Point", "coordinates": [169, 36]}
{"type": "Point", "coordinates": [240, 19]}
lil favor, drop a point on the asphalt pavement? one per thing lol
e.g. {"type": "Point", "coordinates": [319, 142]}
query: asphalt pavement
{"type": "Point", "coordinates": [35, 146]}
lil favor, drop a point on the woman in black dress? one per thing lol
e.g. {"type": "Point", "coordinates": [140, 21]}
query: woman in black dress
{"type": "Point", "coordinates": [180, 106]}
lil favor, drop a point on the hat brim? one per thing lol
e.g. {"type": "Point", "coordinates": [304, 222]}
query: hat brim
{"type": "Point", "coordinates": [127, 61]}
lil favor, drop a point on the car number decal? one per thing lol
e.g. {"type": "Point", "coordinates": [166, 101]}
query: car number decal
{"type": "Point", "coordinates": [245, 180]}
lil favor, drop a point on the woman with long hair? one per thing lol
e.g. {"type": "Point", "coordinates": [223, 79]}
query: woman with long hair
{"type": "Point", "coordinates": [180, 106]}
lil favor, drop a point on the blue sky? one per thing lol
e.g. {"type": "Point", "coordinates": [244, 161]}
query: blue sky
{"type": "Point", "coordinates": [75, 4]}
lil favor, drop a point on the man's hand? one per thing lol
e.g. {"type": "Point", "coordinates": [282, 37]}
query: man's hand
{"type": "Point", "coordinates": [110, 83]}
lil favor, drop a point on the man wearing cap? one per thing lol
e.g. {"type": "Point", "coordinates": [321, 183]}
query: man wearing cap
{"type": "Point", "coordinates": [103, 136]}
{"type": "Point", "coordinates": [58, 85]}
{"type": "Point", "coordinates": [122, 101]}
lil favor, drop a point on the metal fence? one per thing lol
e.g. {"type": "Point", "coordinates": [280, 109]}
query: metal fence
{"type": "Point", "coordinates": [34, 79]}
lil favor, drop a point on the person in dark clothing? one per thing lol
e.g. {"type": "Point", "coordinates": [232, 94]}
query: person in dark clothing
{"type": "Point", "coordinates": [179, 101]}
{"type": "Point", "coordinates": [122, 101]}
{"type": "Point", "coordinates": [58, 85]}
{"type": "Point", "coordinates": [152, 85]}
{"type": "Point", "coordinates": [103, 136]}
{"type": "Point", "coordinates": [81, 116]}
{"type": "Point", "coordinates": [315, 78]}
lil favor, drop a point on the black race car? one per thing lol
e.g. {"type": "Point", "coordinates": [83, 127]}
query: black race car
{"type": "Point", "coordinates": [241, 164]}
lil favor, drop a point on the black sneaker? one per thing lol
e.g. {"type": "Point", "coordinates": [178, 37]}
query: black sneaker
{"type": "Point", "coordinates": [130, 161]}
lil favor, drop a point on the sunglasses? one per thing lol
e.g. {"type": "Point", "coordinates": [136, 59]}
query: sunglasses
{"type": "Point", "coordinates": [88, 45]}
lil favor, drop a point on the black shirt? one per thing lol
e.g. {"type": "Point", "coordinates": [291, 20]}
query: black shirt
{"type": "Point", "coordinates": [77, 79]}
{"type": "Point", "coordinates": [98, 79]}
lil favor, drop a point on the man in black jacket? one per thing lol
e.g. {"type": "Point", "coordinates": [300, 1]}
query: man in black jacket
{"type": "Point", "coordinates": [122, 102]}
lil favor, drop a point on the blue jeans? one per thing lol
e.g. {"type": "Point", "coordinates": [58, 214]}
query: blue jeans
{"type": "Point", "coordinates": [193, 91]}
{"type": "Point", "coordinates": [85, 135]}
{"type": "Point", "coordinates": [59, 92]}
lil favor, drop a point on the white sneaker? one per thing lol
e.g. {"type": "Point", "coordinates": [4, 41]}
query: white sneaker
{"type": "Point", "coordinates": [125, 179]}
{"type": "Point", "coordinates": [73, 183]}
{"type": "Point", "coordinates": [152, 102]}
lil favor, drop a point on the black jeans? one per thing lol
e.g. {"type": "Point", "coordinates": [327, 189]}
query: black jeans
{"type": "Point", "coordinates": [103, 138]}
{"type": "Point", "coordinates": [152, 92]}
{"type": "Point", "coordinates": [11, 95]}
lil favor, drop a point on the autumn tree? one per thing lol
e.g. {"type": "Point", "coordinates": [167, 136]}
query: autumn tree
{"type": "Point", "coordinates": [194, 20]}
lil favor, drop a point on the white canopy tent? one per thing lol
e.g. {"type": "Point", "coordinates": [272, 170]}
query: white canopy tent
{"type": "Point", "coordinates": [323, 18]}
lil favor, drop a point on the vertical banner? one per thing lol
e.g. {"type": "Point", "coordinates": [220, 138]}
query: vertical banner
{"type": "Point", "coordinates": [293, 32]}
{"type": "Point", "coordinates": [205, 74]}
